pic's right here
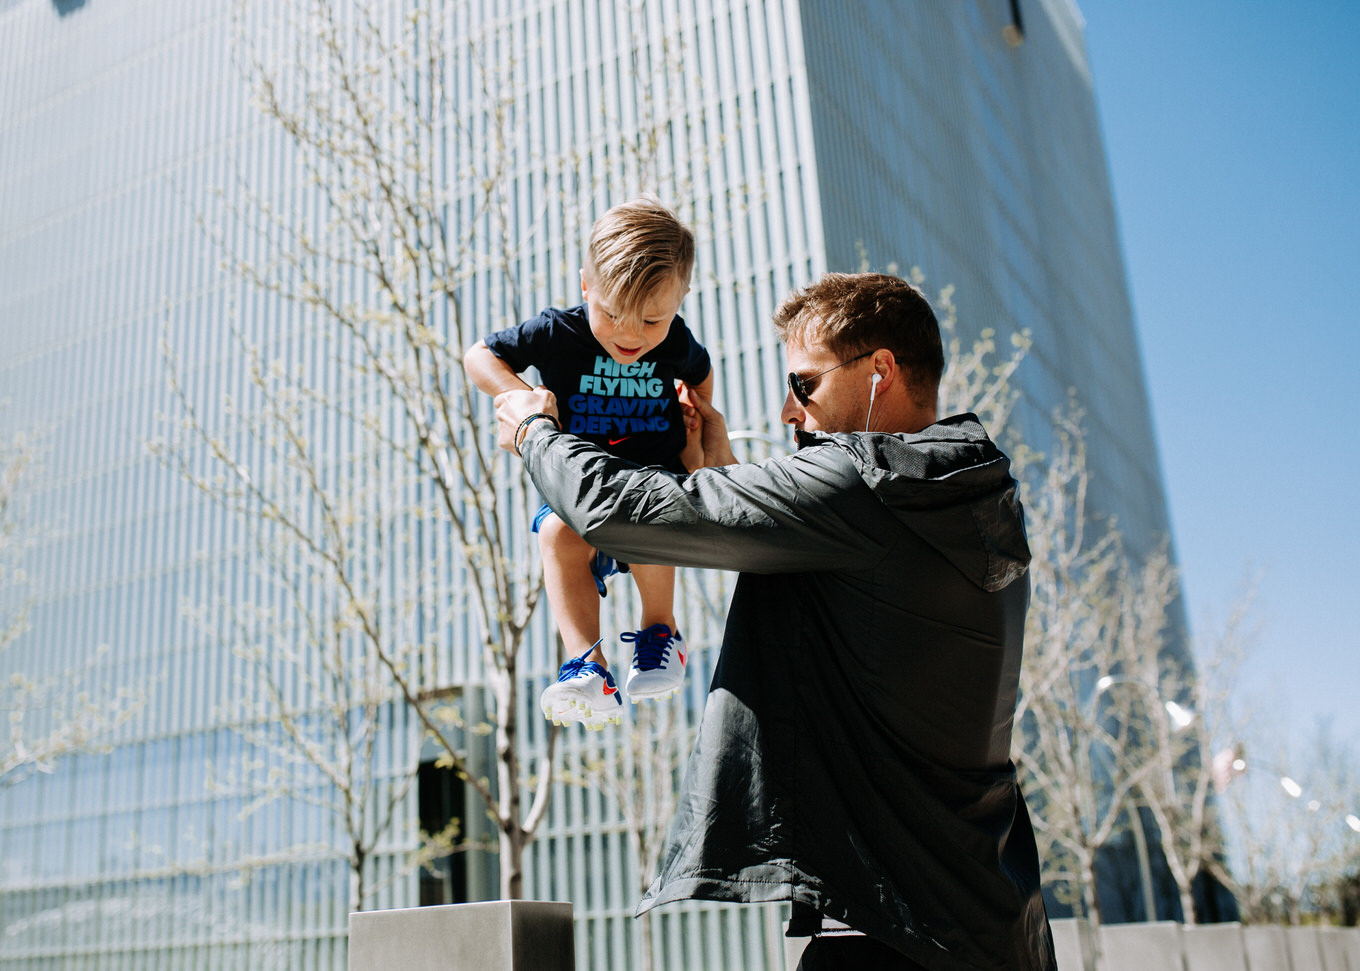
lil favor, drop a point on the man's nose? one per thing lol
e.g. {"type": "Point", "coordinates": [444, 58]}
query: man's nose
{"type": "Point", "coordinates": [792, 410]}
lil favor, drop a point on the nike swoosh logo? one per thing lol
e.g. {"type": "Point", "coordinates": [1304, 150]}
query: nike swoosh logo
{"type": "Point", "coordinates": [615, 441]}
{"type": "Point", "coordinates": [609, 691]}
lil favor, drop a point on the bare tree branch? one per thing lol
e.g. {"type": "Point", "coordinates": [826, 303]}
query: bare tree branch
{"type": "Point", "coordinates": [48, 715]}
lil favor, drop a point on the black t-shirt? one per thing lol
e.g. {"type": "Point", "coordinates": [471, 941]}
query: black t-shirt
{"type": "Point", "coordinates": [630, 409]}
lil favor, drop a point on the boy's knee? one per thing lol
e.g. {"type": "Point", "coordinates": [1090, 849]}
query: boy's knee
{"type": "Point", "coordinates": [551, 526]}
{"type": "Point", "coordinates": [558, 535]}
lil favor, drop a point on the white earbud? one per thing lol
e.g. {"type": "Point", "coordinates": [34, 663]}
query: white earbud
{"type": "Point", "coordinates": [873, 389]}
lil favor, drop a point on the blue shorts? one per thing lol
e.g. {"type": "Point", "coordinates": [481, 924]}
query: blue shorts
{"type": "Point", "coordinates": [602, 567]}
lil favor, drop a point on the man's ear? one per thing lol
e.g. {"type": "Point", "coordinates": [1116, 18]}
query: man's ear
{"type": "Point", "coordinates": [885, 366]}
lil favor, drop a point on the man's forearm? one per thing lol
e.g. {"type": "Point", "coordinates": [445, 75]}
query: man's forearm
{"type": "Point", "coordinates": [756, 518]}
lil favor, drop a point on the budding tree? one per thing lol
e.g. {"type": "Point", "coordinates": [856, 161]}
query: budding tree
{"type": "Point", "coordinates": [49, 715]}
{"type": "Point", "coordinates": [1071, 731]}
{"type": "Point", "coordinates": [313, 692]}
{"type": "Point", "coordinates": [1293, 812]}
{"type": "Point", "coordinates": [1182, 719]}
{"type": "Point", "coordinates": [381, 248]}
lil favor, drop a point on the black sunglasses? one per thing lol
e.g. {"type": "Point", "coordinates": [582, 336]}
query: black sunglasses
{"type": "Point", "coordinates": [801, 388]}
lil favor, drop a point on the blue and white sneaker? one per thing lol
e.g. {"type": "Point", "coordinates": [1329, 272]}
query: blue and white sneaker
{"type": "Point", "coordinates": [658, 668]}
{"type": "Point", "coordinates": [584, 692]}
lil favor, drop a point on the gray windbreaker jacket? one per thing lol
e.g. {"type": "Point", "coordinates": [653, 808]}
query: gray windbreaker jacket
{"type": "Point", "coordinates": [853, 756]}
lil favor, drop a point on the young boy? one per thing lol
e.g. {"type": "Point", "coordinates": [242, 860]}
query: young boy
{"type": "Point", "coordinates": [613, 364]}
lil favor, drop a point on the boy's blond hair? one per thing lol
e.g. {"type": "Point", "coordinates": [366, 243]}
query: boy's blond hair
{"type": "Point", "coordinates": [634, 249]}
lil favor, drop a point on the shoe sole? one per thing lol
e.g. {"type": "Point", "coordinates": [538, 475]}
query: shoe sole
{"type": "Point", "coordinates": [569, 706]}
{"type": "Point", "coordinates": [580, 713]}
{"type": "Point", "coordinates": [658, 690]}
{"type": "Point", "coordinates": [635, 697]}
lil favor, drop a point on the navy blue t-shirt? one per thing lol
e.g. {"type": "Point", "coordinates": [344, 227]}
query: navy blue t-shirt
{"type": "Point", "coordinates": [630, 409]}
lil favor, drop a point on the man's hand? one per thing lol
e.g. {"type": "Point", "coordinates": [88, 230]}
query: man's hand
{"type": "Point", "coordinates": [716, 446]}
{"type": "Point", "coordinates": [512, 407]}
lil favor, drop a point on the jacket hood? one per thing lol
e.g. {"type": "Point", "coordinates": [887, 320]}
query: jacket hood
{"type": "Point", "coordinates": [950, 485]}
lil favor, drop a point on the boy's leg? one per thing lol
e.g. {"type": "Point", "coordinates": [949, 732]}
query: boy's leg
{"type": "Point", "coordinates": [656, 590]}
{"type": "Point", "coordinates": [658, 667]}
{"type": "Point", "coordinates": [584, 690]}
{"type": "Point", "coordinates": [570, 587]}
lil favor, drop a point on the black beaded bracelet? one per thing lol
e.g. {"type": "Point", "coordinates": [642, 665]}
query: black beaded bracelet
{"type": "Point", "coordinates": [522, 430]}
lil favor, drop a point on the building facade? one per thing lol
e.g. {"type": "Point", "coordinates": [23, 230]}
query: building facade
{"type": "Point", "coordinates": [797, 137]}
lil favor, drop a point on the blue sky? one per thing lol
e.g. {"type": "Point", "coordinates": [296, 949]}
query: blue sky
{"type": "Point", "coordinates": [1233, 134]}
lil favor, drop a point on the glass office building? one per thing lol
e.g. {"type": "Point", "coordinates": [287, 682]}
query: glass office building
{"type": "Point", "coordinates": [797, 137]}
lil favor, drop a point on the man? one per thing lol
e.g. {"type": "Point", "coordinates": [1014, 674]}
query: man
{"type": "Point", "coordinates": [853, 757]}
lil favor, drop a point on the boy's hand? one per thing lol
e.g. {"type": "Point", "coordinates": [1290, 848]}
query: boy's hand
{"type": "Point", "coordinates": [706, 441]}
{"type": "Point", "coordinates": [512, 407]}
{"type": "Point", "coordinates": [692, 455]}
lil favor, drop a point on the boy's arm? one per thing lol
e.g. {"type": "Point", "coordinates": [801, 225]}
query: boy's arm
{"type": "Point", "coordinates": [489, 373]}
{"type": "Point", "coordinates": [704, 389]}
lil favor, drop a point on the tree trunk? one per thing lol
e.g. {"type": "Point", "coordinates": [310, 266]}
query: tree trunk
{"type": "Point", "coordinates": [512, 864]}
{"type": "Point", "coordinates": [645, 935]}
{"type": "Point", "coordinates": [1089, 904]}
{"type": "Point", "coordinates": [1091, 909]}
{"type": "Point", "coordinates": [1187, 907]}
{"type": "Point", "coordinates": [356, 879]}
{"type": "Point", "coordinates": [637, 839]}
{"type": "Point", "coordinates": [512, 838]}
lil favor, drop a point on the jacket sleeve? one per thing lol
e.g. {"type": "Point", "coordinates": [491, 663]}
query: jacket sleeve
{"type": "Point", "coordinates": [806, 511]}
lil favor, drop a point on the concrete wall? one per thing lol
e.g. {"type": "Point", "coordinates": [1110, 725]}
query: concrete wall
{"type": "Point", "coordinates": [537, 936]}
{"type": "Point", "coordinates": [1167, 946]}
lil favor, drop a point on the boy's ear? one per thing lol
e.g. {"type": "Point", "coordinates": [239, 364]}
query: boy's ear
{"type": "Point", "coordinates": [584, 289]}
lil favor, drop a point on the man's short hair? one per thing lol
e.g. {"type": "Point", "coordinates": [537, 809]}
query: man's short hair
{"type": "Point", "coordinates": [854, 313]}
{"type": "Point", "coordinates": [634, 249]}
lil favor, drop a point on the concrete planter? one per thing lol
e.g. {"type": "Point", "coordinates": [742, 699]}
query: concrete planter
{"type": "Point", "coordinates": [513, 935]}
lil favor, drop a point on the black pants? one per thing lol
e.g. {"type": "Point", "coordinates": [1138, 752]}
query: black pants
{"type": "Point", "coordinates": [853, 954]}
